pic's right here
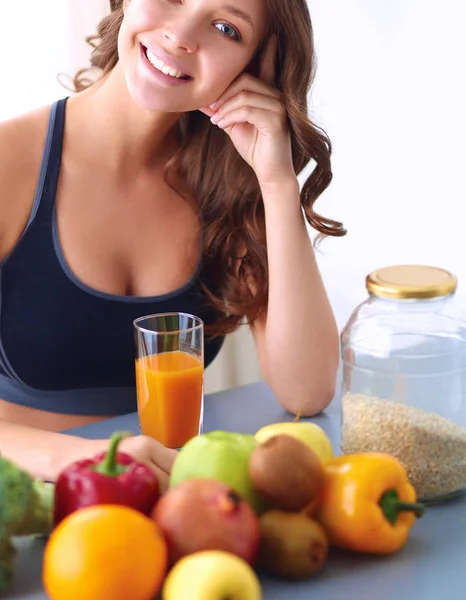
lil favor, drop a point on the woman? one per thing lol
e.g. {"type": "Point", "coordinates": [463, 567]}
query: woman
{"type": "Point", "coordinates": [169, 184]}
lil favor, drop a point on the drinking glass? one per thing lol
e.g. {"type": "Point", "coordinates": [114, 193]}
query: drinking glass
{"type": "Point", "coordinates": [170, 376]}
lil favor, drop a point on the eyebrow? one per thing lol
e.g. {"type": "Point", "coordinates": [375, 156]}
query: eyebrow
{"type": "Point", "coordinates": [241, 14]}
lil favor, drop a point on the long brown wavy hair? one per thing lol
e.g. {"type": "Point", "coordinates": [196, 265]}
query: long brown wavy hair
{"type": "Point", "coordinates": [223, 186]}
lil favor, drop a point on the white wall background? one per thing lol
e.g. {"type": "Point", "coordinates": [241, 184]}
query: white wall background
{"type": "Point", "coordinates": [390, 93]}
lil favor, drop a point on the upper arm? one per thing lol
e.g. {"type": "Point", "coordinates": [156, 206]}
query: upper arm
{"type": "Point", "coordinates": [21, 143]}
{"type": "Point", "coordinates": [258, 332]}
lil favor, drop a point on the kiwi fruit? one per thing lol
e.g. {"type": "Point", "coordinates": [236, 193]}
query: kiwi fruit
{"type": "Point", "coordinates": [286, 472]}
{"type": "Point", "coordinates": [292, 546]}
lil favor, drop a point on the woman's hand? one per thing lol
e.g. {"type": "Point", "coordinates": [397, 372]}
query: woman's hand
{"type": "Point", "coordinates": [252, 113]}
{"type": "Point", "coordinates": [156, 456]}
{"type": "Point", "coordinates": [142, 448]}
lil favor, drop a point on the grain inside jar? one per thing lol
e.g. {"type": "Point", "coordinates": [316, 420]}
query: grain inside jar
{"type": "Point", "coordinates": [432, 448]}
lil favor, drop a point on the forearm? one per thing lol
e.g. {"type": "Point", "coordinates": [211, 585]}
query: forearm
{"type": "Point", "coordinates": [301, 344]}
{"type": "Point", "coordinates": [43, 454]}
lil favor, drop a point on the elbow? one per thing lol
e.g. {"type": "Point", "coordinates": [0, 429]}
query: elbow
{"type": "Point", "coordinates": [306, 398]}
{"type": "Point", "coordinates": [306, 392]}
{"type": "Point", "coordinates": [305, 387]}
{"type": "Point", "coordinates": [309, 402]}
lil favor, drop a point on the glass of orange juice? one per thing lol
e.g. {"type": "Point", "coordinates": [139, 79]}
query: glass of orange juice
{"type": "Point", "coordinates": [170, 376]}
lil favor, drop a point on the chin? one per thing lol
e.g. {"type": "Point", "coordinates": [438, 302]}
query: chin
{"type": "Point", "coordinates": [160, 100]}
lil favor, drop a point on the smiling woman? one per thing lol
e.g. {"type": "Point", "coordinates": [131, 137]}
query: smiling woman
{"type": "Point", "coordinates": [212, 171]}
{"type": "Point", "coordinates": [169, 184]}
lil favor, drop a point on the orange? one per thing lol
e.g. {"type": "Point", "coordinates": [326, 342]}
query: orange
{"type": "Point", "coordinates": [105, 552]}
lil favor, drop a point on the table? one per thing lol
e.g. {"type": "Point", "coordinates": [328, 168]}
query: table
{"type": "Point", "coordinates": [433, 562]}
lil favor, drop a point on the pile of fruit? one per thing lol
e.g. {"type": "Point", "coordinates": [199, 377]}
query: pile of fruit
{"type": "Point", "coordinates": [237, 505]}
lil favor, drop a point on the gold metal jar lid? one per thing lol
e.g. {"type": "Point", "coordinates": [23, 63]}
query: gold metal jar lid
{"type": "Point", "coordinates": [411, 281]}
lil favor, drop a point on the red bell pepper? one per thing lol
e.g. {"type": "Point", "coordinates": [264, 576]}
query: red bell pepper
{"type": "Point", "coordinates": [108, 478]}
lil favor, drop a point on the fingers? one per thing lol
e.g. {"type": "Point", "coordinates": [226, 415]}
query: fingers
{"type": "Point", "coordinates": [265, 113]}
{"type": "Point", "coordinates": [242, 84]}
{"type": "Point", "coordinates": [161, 475]}
{"type": "Point", "coordinates": [163, 457]}
{"type": "Point", "coordinates": [207, 111]}
{"type": "Point", "coordinates": [246, 100]}
{"type": "Point", "coordinates": [245, 105]}
{"type": "Point", "coordinates": [164, 480]}
{"type": "Point", "coordinates": [266, 122]}
{"type": "Point", "coordinates": [161, 463]}
{"type": "Point", "coordinates": [246, 114]}
{"type": "Point", "coordinates": [267, 68]}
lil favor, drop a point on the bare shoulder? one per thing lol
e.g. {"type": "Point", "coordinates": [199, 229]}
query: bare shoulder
{"type": "Point", "coordinates": [21, 145]}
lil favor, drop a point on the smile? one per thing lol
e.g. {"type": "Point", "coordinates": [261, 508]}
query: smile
{"type": "Point", "coordinates": [163, 67]}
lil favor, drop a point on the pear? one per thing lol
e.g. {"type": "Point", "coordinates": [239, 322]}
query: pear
{"type": "Point", "coordinates": [305, 431]}
{"type": "Point", "coordinates": [211, 575]}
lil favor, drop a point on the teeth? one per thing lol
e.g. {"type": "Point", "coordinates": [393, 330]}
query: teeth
{"type": "Point", "coordinates": [161, 66]}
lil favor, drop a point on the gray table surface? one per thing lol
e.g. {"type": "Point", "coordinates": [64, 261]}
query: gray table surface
{"type": "Point", "coordinates": [433, 561]}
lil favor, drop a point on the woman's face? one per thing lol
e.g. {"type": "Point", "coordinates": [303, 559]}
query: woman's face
{"type": "Point", "coordinates": [202, 44]}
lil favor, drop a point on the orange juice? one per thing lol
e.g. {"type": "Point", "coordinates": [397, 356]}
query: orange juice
{"type": "Point", "coordinates": [169, 392]}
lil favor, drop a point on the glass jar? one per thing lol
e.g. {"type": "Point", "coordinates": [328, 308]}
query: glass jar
{"type": "Point", "coordinates": [404, 377]}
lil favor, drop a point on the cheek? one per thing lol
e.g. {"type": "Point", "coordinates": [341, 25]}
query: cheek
{"type": "Point", "coordinates": [141, 16]}
{"type": "Point", "coordinates": [221, 73]}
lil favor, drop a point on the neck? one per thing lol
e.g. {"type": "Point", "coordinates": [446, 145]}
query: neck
{"type": "Point", "coordinates": [128, 138]}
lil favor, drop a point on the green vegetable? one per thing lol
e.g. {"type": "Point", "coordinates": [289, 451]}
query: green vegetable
{"type": "Point", "coordinates": [26, 508]}
{"type": "Point", "coordinates": [7, 556]}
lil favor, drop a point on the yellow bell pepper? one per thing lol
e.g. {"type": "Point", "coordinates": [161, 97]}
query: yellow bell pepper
{"type": "Point", "coordinates": [367, 503]}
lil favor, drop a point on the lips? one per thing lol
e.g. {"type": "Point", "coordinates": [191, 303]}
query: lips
{"type": "Point", "coordinates": [167, 66]}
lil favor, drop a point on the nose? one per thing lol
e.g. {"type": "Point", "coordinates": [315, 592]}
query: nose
{"type": "Point", "coordinates": [180, 36]}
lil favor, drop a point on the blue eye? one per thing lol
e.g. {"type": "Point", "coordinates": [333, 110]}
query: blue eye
{"type": "Point", "coordinates": [228, 31]}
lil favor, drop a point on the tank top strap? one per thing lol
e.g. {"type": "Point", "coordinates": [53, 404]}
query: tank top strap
{"type": "Point", "coordinates": [44, 200]}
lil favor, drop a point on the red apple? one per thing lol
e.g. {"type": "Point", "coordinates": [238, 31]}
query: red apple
{"type": "Point", "coordinates": [205, 514]}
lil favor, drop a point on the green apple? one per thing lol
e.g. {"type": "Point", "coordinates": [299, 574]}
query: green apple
{"type": "Point", "coordinates": [305, 431]}
{"type": "Point", "coordinates": [220, 455]}
{"type": "Point", "coordinates": [211, 575]}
